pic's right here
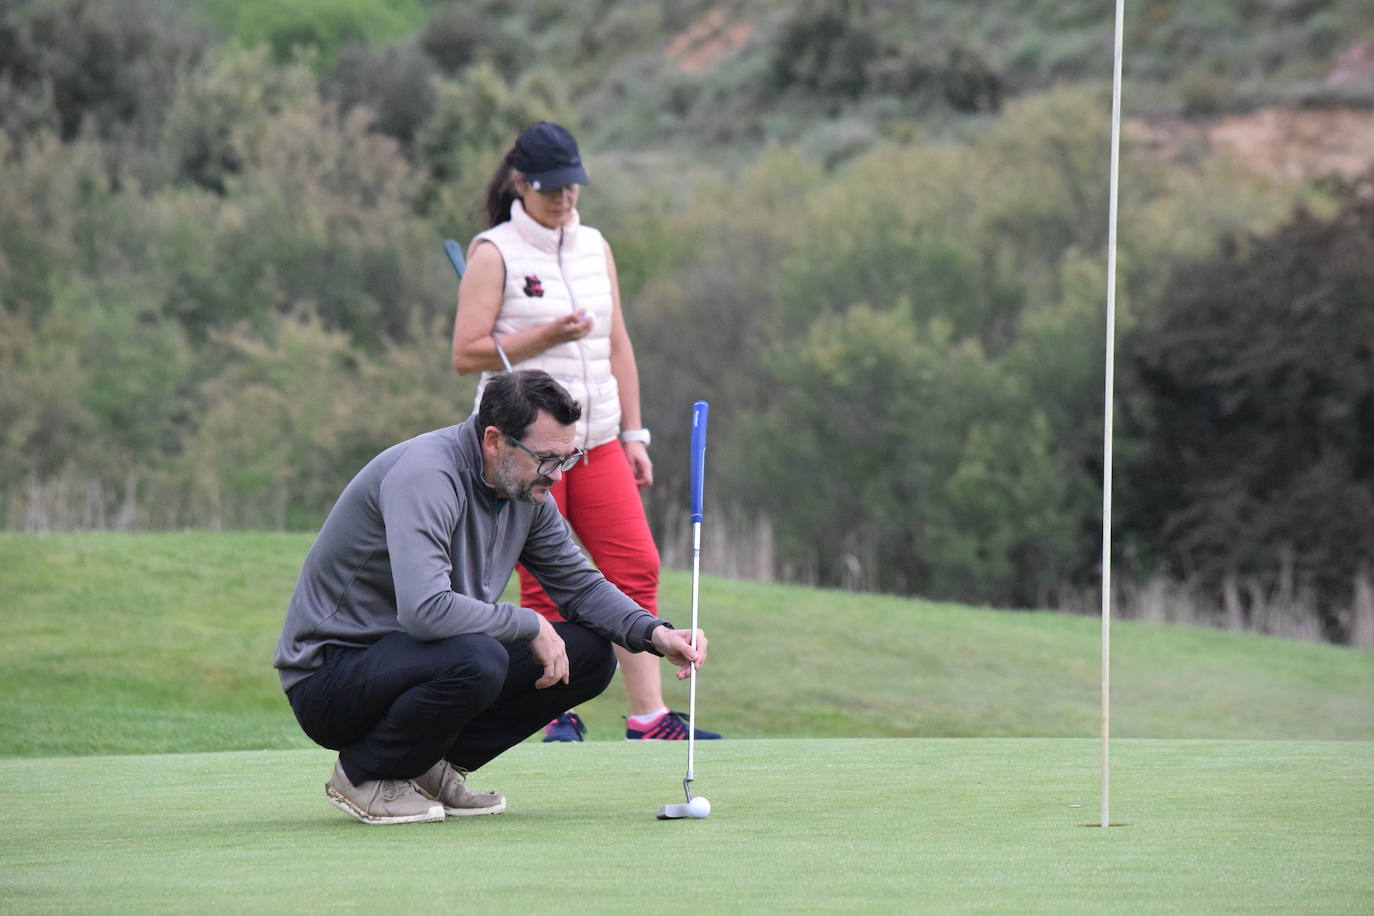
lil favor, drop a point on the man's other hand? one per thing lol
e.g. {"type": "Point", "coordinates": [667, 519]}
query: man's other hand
{"type": "Point", "coordinates": [548, 649]}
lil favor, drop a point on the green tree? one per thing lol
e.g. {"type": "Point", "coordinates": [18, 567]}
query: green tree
{"type": "Point", "coordinates": [294, 415]}
{"type": "Point", "coordinates": [461, 35]}
{"type": "Point", "coordinates": [95, 393]}
{"type": "Point", "coordinates": [394, 84]}
{"type": "Point", "coordinates": [825, 47]}
{"type": "Point", "coordinates": [321, 26]}
{"type": "Point", "coordinates": [109, 68]}
{"type": "Point", "coordinates": [44, 416]}
{"type": "Point", "coordinates": [894, 447]}
{"type": "Point", "coordinates": [476, 119]}
{"type": "Point", "coordinates": [221, 109]}
{"type": "Point", "coordinates": [1256, 405]}
{"type": "Point", "coordinates": [701, 328]}
{"type": "Point", "coordinates": [319, 211]}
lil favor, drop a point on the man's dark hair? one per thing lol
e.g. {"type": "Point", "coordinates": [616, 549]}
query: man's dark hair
{"type": "Point", "coordinates": [512, 400]}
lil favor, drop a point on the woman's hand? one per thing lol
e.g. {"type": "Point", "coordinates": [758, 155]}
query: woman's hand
{"type": "Point", "coordinates": [643, 468]}
{"type": "Point", "coordinates": [570, 327]}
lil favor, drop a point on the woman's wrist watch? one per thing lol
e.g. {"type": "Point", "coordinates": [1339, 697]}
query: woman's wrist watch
{"type": "Point", "coordinates": [635, 435]}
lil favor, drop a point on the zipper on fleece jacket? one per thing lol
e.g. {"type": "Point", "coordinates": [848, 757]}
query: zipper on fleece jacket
{"type": "Point", "coordinates": [581, 351]}
{"type": "Point", "coordinates": [500, 519]}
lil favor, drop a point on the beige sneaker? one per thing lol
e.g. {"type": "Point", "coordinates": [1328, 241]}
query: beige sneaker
{"type": "Point", "coordinates": [381, 801]}
{"type": "Point", "coordinates": [448, 784]}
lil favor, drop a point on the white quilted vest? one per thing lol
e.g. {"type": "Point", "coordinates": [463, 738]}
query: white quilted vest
{"type": "Point", "coordinates": [551, 272]}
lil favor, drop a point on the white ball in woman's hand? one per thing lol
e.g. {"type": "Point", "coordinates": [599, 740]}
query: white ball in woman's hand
{"type": "Point", "coordinates": [586, 315]}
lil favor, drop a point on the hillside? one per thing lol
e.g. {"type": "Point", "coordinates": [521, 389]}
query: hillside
{"type": "Point", "coordinates": [844, 222]}
{"type": "Point", "coordinates": [156, 643]}
{"type": "Point", "coordinates": [1287, 144]}
{"type": "Point", "coordinates": [834, 75]}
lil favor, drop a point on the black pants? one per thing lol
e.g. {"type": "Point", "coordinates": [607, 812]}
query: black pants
{"type": "Point", "coordinates": [394, 709]}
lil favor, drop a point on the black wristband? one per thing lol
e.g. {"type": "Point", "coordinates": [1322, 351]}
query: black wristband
{"type": "Point", "coordinates": [649, 636]}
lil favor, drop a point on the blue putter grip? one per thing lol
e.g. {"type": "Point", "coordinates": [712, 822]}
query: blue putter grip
{"type": "Point", "coordinates": [700, 413]}
{"type": "Point", "coordinates": [455, 257]}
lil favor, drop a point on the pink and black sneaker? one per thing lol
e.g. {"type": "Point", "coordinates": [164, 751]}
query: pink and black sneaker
{"type": "Point", "coordinates": [669, 726]}
{"type": "Point", "coordinates": [567, 727]}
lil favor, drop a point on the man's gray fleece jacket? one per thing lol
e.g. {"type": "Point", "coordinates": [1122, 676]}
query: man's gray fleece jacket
{"type": "Point", "coordinates": [419, 542]}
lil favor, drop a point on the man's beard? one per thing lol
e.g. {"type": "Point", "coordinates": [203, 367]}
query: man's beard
{"type": "Point", "coordinates": [509, 486]}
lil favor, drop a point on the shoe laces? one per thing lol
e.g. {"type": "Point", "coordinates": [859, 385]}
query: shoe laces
{"type": "Point", "coordinates": [451, 773]}
{"type": "Point", "coordinates": [393, 789]}
{"type": "Point", "coordinates": [462, 775]}
{"type": "Point", "coordinates": [675, 722]}
{"type": "Point", "coordinates": [572, 720]}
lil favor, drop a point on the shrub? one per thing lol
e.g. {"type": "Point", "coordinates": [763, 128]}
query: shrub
{"type": "Point", "coordinates": [221, 107]}
{"type": "Point", "coordinates": [394, 85]}
{"type": "Point", "coordinates": [476, 120]}
{"type": "Point", "coordinates": [462, 36]}
{"type": "Point", "coordinates": [322, 27]}
{"type": "Point", "coordinates": [109, 67]}
{"type": "Point", "coordinates": [1256, 408]}
{"type": "Point", "coordinates": [826, 47]}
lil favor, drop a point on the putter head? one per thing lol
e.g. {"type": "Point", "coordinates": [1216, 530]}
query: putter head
{"type": "Point", "coordinates": [673, 812]}
{"type": "Point", "coordinates": [676, 812]}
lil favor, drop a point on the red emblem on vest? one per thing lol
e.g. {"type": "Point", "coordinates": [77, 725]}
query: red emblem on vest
{"type": "Point", "coordinates": [533, 287]}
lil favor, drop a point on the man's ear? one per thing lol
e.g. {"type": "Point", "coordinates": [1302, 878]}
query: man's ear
{"type": "Point", "coordinates": [491, 441]}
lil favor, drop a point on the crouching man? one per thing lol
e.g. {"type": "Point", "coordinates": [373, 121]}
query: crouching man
{"type": "Point", "coordinates": [396, 651]}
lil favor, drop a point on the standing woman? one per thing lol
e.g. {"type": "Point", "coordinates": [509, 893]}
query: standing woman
{"type": "Point", "coordinates": [540, 292]}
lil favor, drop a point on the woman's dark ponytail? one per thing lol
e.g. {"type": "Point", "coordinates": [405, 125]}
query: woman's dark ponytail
{"type": "Point", "coordinates": [500, 192]}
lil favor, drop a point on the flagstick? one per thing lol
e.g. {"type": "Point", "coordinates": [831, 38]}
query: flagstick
{"type": "Point", "coordinates": [1108, 413]}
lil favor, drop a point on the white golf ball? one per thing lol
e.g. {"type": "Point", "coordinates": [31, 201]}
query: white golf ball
{"type": "Point", "coordinates": [586, 315]}
{"type": "Point", "coordinates": [699, 807]}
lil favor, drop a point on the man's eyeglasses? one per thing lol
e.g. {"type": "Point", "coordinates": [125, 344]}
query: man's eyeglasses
{"type": "Point", "coordinates": [547, 465]}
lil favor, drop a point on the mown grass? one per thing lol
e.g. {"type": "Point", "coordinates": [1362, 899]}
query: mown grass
{"type": "Point", "coordinates": [157, 643]}
{"type": "Point", "coordinates": [863, 825]}
{"type": "Point", "coordinates": [136, 645]}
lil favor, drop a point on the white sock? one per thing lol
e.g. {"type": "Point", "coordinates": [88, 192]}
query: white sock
{"type": "Point", "coordinates": [648, 716]}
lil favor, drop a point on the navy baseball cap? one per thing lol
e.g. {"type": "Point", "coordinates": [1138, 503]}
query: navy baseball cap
{"type": "Point", "coordinates": [546, 154]}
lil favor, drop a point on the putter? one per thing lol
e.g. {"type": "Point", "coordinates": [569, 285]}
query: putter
{"type": "Point", "coordinates": [460, 267]}
{"type": "Point", "coordinates": [455, 257]}
{"type": "Point", "coordinates": [700, 414]}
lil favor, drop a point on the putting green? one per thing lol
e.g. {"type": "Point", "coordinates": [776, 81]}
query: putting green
{"type": "Point", "coordinates": [881, 825]}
